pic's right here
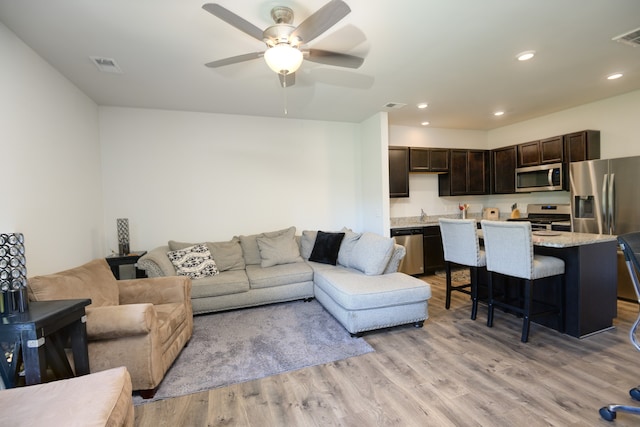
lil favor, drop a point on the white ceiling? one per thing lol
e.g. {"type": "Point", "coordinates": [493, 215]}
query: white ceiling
{"type": "Point", "coordinates": [457, 55]}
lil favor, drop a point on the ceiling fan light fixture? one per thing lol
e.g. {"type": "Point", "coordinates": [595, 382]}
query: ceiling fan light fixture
{"type": "Point", "coordinates": [283, 58]}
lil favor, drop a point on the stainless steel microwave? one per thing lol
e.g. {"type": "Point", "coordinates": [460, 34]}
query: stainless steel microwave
{"type": "Point", "coordinates": [539, 178]}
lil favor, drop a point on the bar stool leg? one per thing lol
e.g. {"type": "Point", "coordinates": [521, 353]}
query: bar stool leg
{"type": "Point", "coordinates": [447, 303]}
{"type": "Point", "coordinates": [474, 292]}
{"type": "Point", "coordinates": [526, 320]}
{"type": "Point", "coordinates": [490, 286]}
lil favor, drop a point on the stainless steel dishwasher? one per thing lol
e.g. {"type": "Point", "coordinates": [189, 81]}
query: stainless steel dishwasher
{"type": "Point", "coordinates": [412, 240]}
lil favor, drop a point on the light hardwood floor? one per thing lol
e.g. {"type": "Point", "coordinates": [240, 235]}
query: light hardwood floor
{"type": "Point", "coordinates": [452, 372]}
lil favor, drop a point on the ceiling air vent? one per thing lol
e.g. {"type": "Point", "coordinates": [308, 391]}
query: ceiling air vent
{"type": "Point", "coordinates": [106, 65]}
{"type": "Point", "coordinates": [631, 38]}
{"type": "Point", "coordinates": [395, 105]}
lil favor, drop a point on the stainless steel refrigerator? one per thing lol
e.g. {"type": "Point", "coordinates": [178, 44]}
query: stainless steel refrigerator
{"type": "Point", "coordinates": [605, 199]}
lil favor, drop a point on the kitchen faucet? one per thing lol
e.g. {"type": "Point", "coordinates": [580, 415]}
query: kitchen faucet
{"type": "Point", "coordinates": [423, 215]}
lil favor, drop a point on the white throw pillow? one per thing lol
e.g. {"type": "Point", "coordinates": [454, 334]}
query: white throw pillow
{"type": "Point", "coordinates": [346, 246]}
{"type": "Point", "coordinates": [371, 253]}
{"type": "Point", "coordinates": [282, 249]}
{"type": "Point", "coordinates": [194, 262]}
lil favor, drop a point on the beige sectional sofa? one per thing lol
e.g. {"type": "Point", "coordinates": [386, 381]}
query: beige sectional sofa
{"type": "Point", "coordinates": [363, 290]}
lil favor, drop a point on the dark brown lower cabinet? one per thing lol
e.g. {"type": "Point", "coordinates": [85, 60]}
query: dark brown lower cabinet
{"type": "Point", "coordinates": [433, 252]}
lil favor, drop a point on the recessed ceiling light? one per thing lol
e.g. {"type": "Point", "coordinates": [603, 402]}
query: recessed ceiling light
{"type": "Point", "coordinates": [425, 123]}
{"type": "Point", "coordinates": [525, 56]}
{"type": "Point", "coordinates": [423, 105]}
{"type": "Point", "coordinates": [498, 113]}
{"type": "Point", "coordinates": [614, 76]}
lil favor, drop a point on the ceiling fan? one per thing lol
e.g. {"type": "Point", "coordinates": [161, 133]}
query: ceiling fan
{"type": "Point", "coordinates": [284, 42]}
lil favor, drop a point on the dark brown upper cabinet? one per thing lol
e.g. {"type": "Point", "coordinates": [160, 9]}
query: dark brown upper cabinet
{"type": "Point", "coordinates": [468, 173]}
{"type": "Point", "coordinates": [534, 153]}
{"type": "Point", "coordinates": [583, 145]}
{"type": "Point", "coordinates": [529, 154]}
{"type": "Point", "coordinates": [428, 159]}
{"type": "Point", "coordinates": [503, 166]}
{"type": "Point", "coordinates": [552, 150]}
{"type": "Point", "coordinates": [398, 171]}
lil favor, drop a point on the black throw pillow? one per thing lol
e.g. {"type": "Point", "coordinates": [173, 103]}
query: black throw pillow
{"type": "Point", "coordinates": [325, 249]}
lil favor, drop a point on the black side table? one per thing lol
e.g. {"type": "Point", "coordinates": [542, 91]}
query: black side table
{"type": "Point", "coordinates": [38, 337]}
{"type": "Point", "coordinates": [115, 261]}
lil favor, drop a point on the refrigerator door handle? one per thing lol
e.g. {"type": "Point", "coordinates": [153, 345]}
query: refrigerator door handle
{"type": "Point", "coordinates": [605, 203]}
{"type": "Point", "coordinates": [612, 201]}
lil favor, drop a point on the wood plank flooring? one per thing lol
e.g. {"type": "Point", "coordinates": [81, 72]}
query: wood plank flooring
{"type": "Point", "coordinates": [452, 372]}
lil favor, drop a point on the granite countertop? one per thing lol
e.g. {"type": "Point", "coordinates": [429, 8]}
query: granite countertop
{"type": "Point", "coordinates": [566, 239]}
{"type": "Point", "coordinates": [416, 221]}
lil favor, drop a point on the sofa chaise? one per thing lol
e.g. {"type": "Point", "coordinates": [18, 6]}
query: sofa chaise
{"type": "Point", "coordinates": [353, 275]}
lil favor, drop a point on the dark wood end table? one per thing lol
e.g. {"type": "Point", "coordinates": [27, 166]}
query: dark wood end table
{"type": "Point", "coordinates": [115, 261]}
{"type": "Point", "coordinates": [38, 337]}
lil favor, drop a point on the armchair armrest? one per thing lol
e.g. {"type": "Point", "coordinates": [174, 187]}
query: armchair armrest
{"type": "Point", "coordinates": [156, 263]}
{"type": "Point", "coordinates": [155, 290]}
{"type": "Point", "coordinates": [117, 321]}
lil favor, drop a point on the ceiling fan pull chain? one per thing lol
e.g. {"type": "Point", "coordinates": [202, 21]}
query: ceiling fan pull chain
{"type": "Point", "coordinates": [284, 95]}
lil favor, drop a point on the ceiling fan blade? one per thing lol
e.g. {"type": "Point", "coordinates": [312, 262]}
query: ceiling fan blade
{"type": "Point", "coordinates": [234, 59]}
{"type": "Point", "coordinates": [287, 80]}
{"type": "Point", "coordinates": [323, 19]}
{"type": "Point", "coordinates": [334, 58]}
{"type": "Point", "coordinates": [234, 20]}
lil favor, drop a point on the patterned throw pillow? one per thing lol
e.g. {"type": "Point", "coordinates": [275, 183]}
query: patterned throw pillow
{"type": "Point", "coordinates": [194, 261]}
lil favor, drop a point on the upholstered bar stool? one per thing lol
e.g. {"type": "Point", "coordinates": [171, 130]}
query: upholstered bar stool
{"type": "Point", "coordinates": [509, 249]}
{"type": "Point", "coordinates": [461, 246]}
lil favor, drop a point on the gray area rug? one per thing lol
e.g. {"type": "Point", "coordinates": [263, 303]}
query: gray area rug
{"type": "Point", "coordinates": [248, 344]}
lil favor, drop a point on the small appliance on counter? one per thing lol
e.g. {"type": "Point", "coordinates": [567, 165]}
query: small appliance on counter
{"type": "Point", "coordinates": [515, 212]}
{"type": "Point", "coordinates": [492, 214]}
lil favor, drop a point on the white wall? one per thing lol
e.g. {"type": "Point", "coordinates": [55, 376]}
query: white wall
{"type": "Point", "coordinates": [375, 174]}
{"type": "Point", "coordinates": [51, 188]}
{"type": "Point", "coordinates": [196, 176]}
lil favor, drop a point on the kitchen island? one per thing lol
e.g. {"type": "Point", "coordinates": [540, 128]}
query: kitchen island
{"type": "Point", "coordinates": [591, 279]}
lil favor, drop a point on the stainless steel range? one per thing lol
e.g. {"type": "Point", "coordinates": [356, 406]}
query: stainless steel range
{"type": "Point", "coordinates": [548, 217]}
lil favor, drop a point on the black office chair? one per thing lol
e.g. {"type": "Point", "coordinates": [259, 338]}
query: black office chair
{"type": "Point", "coordinates": [630, 244]}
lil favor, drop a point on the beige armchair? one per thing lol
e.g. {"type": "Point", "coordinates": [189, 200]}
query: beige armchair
{"type": "Point", "coordinates": [142, 324]}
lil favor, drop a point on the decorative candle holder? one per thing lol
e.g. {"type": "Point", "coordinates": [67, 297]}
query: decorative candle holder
{"type": "Point", "coordinates": [13, 274]}
{"type": "Point", "coordinates": [123, 235]}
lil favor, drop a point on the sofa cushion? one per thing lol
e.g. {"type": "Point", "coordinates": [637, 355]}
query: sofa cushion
{"type": "Point", "coordinates": [371, 253]}
{"type": "Point", "coordinates": [227, 255]}
{"type": "Point", "coordinates": [225, 283]}
{"type": "Point", "coordinates": [282, 249]}
{"type": "Point", "coordinates": [307, 240]}
{"type": "Point", "coordinates": [325, 250]}
{"type": "Point", "coordinates": [356, 291]}
{"type": "Point", "coordinates": [249, 244]}
{"type": "Point", "coordinates": [98, 399]}
{"type": "Point", "coordinates": [346, 246]}
{"type": "Point", "coordinates": [193, 261]}
{"type": "Point", "coordinates": [92, 280]}
{"type": "Point", "coordinates": [278, 275]}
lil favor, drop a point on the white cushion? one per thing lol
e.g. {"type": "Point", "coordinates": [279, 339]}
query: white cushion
{"type": "Point", "coordinates": [371, 253]}
{"type": "Point", "coordinates": [282, 249]}
{"type": "Point", "coordinates": [194, 261]}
